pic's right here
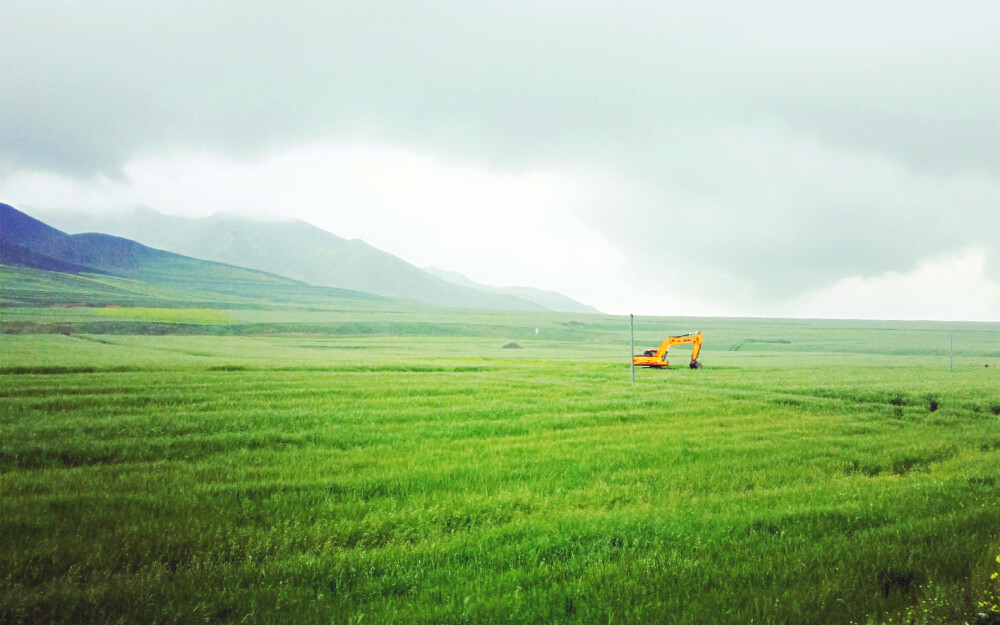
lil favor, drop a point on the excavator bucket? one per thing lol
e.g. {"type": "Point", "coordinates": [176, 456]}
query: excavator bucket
{"type": "Point", "coordinates": [657, 359]}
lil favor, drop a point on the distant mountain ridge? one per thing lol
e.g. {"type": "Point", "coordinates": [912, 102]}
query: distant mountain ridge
{"type": "Point", "coordinates": [28, 242]}
{"type": "Point", "coordinates": [552, 300]}
{"type": "Point", "coordinates": [303, 252]}
{"type": "Point", "coordinates": [19, 256]}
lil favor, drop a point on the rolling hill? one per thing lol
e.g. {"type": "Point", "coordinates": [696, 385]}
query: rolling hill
{"type": "Point", "coordinates": [551, 300]}
{"type": "Point", "coordinates": [28, 242]}
{"type": "Point", "coordinates": [303, 252]}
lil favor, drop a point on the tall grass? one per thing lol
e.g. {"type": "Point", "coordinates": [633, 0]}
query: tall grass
{"type": "Point", "coordinates": [444, 480]}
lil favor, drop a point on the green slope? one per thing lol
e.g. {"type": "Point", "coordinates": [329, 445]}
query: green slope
{"type": "Point", "coordinates": [28, 242]}
{"type": "Point", "coordinates": [297, 250]}
{"type": "Point", "coordinates": [102, 253]}
{"type": "Point", "coordinates": [34, 288]}
{"type": "Point", "coordinates": [17, 255]}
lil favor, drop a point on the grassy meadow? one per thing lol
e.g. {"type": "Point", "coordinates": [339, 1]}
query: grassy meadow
{"type": "Point", "coordinates": [332, 463]}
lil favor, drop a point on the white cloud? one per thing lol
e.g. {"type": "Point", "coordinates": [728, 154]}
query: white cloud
{"type": "Point", "coordinates": [44, 189]}
{"type": "Point", "coordinates": [499, 228]}
{"type": "Point", "coordinates": [725, 157]}
{"type": "Point", "coordinates": [757, 215]}
{"type": "Point", "coordinates": [538, 228]}
{"type": "Point", "coordinates": [951, 287]}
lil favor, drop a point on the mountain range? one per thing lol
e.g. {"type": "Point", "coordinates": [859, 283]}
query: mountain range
{"type": "Point", "coordinates": [551, 300]}
{"type": "Point", "coordinates": [300, 251]}
{"type": "Point", "coordinates": [26, 241]}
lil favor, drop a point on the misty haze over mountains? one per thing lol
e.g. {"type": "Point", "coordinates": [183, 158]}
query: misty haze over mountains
{"type": "Point", "coordinates": [303, 252]}
{"type": "Point", "coordinates": [29, 242]}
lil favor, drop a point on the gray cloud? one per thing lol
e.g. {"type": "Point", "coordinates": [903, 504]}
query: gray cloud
{"type": "Point", "coordinates": [803, 143]}
{"type": "Point", "coordinates": [770, 216]}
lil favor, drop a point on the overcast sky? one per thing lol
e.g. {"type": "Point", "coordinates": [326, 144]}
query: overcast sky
{"type": "Point", "coordinates": [775, 158]}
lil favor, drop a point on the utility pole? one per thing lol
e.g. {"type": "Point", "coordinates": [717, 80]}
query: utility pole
{"type": "Point", "coordinates": [631, 344]}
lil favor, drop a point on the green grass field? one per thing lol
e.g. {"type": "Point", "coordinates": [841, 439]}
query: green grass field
{"type": "Point", "coordinates": [256, 464]}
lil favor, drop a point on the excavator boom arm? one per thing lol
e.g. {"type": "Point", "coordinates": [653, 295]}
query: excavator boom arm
{"type": "Point", "coordinates": [659, 358]}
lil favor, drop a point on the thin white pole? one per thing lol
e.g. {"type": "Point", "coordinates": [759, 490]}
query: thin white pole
{"type": "Point", "coordinates": [631, 344]}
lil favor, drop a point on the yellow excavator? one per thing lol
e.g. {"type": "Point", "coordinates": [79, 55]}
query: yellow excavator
{"type": "Point", "coordinates": [657, 358]}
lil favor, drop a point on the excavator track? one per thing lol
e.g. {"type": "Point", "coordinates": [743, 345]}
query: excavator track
{"type": "Point", "coordinates": [657, 359]}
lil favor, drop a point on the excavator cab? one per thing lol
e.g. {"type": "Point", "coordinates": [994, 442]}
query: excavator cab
{"type": "Point", "coordinates": [657, 358]}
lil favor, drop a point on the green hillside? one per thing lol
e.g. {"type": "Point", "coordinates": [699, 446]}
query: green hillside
{"type": "Point", "coordinates": [31, 244]}
{"type": "Point", "coordinates": [102, 253]}
{"type": "Point", "coordinates": [306, 253]}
